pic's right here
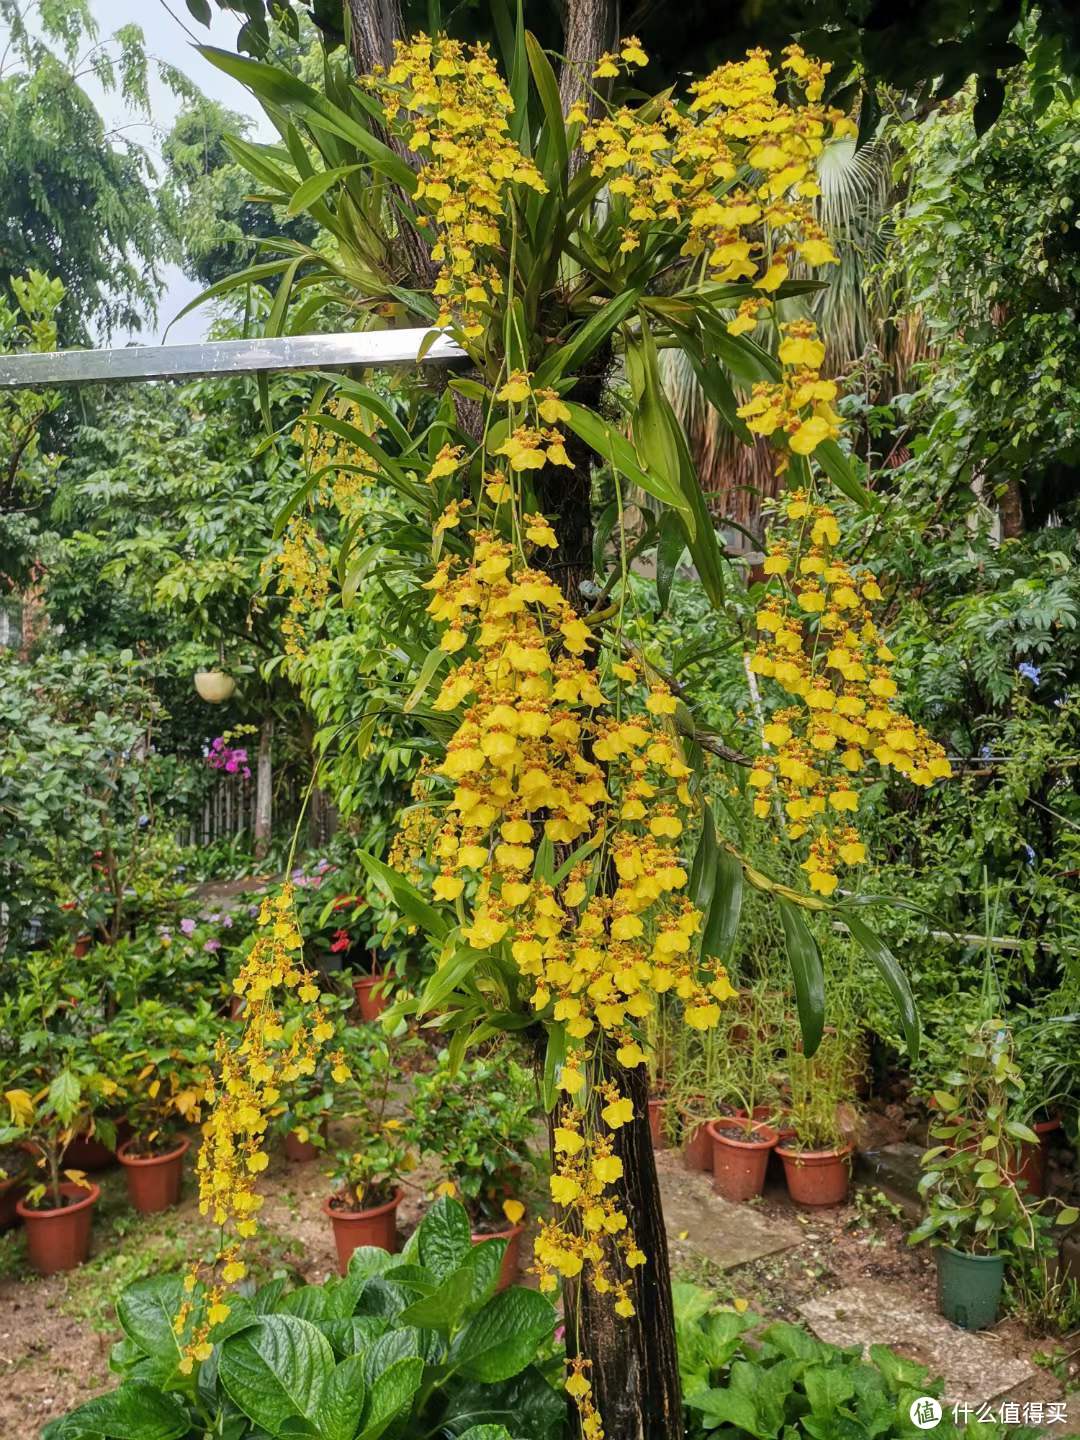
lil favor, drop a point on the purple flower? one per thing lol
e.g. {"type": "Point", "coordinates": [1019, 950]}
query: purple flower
{"type": "Point", "coordinates": [212, 945]}
{"type": "Point", "coordinates": [187, 926]}
{"type": "Point", "coordinates": [1030, 853]}
{"type": "Point", "coordinates": [1029, 671]}
{"type": "Point", "coordinates": [226, 920]}
{"type": "Point", "coordinates": [985, 753]}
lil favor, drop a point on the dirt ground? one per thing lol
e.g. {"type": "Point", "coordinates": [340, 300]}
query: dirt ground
{"type": "Point", "coordinates": [55, 1334]}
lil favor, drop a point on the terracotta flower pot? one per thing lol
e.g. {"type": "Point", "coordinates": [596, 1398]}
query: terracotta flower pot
{"type": "Point", "coordinates": [740, 1156]}
{"type": "Point", "coordinates": [371, 1001]}
{"type": "Point", "coordinates": [153, 1181]}
{"type": "Point", "coordinates": [87, 1152]}
{"type": "Point", "coordinates": [817, 1177]}
{"type": "Point", "coordinates": [697, 1144]}
{"type": "Point", "coordinates": [656, 1124]}
{"type": "Point", "coordinates": [59, 1239]}
{"type": "Point", "coordinates": [12, 1191]}
{"type": "Point", "coordinates": [353, 1228]}
{"type": "Point", "coordinates": [300, 1152]}
{"type": "Point", "coordinates": [1031, 1166]}
{"type": "Point", "coordinates": [511, 1261]}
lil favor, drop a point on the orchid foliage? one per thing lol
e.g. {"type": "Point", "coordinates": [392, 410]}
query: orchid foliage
{"type": "Point", "coordinates": [563, 790]}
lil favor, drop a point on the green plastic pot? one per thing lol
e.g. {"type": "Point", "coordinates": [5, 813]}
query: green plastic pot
{"type": "Point", "coordinates": [969, 1287]}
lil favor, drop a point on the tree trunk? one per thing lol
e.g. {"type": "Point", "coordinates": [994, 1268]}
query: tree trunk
{"type": "Point", "coordinates": [264, 791]}
{"type": "Point", "coordinates": [376, 24]}
{"type": "Point", "coordinates": [634, 1369]}
{"type": "Point", "coordinates": [633, 1366]}
{"type": "Point", "coordinates": [589, 28]}
{"type": "Point", "coordinates": [1011, 510]}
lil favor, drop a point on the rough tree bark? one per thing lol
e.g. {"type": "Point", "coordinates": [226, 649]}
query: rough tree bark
{"type": "Point", "coordinates": [264, 791]}
{"type": "Point", "coordinates": [375, 25]}
{"type": "Point", "coordinates": [633, 1363]}
{"type": "Point", "coordinates": [589, 28]}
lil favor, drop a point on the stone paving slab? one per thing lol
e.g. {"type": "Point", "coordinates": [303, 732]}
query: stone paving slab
{"type": "Point", "coordinates": [976, 1367]}
{"type": "Point", "coordinates": [726, 1233]}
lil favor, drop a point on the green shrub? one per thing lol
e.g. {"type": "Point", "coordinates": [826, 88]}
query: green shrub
{"type": "Point", "coordinates": [402, 1346]}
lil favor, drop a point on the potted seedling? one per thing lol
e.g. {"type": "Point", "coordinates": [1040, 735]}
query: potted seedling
{"type": "Point", "coordinates": [57, 1208]}
{"type": "Point", "coordinates": [816, 1153]}
{"type": "Point", "coordinates": [366, 1170]}
{"type": "Point", "coordinates": [741, 1137]}
{"type": "Point", "coordinates": [478, 1119]}
{"type": "Point", "coordinates": [976, 1214]}
{"type": "Point", "coordinates": [167, 1055]}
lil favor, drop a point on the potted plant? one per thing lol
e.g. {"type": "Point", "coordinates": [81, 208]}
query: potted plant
{"type": "Point", "coordinates": [367, 1170]}
{"type": "Point", "coordinates": [14, 1169]}
{"type": "Point", "coordinates": [167, 1054]}
{"type": "Point", "coordinates": [743, 1099]}
{"type": "Point", "coordinates": [57, 1208]}
{"type": "Point", "coordinates": [813, 1147]}
{"type": "Point", "coordinates": [976, 1214]}
{"type": "Point", "coordinates": [477, 1119]}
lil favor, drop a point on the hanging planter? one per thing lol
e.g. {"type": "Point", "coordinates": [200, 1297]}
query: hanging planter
{"type": "Point", "coordinates": [59, 1239]}
{"type": "Point", "coordinates": [969, 1287]}
{"type": "Point", "coordinates": [740, 1157]}
{"type": "Point", "coordinates": [153, 1181]}
{"type": "Point", "coordinates": [214, 686]}
{"type": "Point", "coordinates": [352, 1228]}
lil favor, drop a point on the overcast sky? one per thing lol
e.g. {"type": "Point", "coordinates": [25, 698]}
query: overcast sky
{"type": "Point", "coordinates": [171, 34]}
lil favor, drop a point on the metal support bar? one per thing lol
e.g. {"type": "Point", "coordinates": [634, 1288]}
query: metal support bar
{"type": "Point", "coordinates": [223, 357]}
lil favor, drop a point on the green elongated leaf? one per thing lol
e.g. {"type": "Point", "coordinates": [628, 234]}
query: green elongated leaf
{"type": "Point", "coordinates": [254, 159]}
{"type": "Point", "coordinates": [554, 1058]}
{"type": "Point", "coordinates": [405, 896]}
{"type": "Point", "coordinates": [279, 88]}
{"type": "Point", "coordinates": [446, 979]}
{"type": "Point", "coordinates": [391, 1392]}
{"type": "Point", "coordinates": [722, 920]}
{"type": "Point", "coordinates": [519, 83]}
{"type": "Point", "coordinates": [275, 323]}
{"type": "Point", "coordinates": [342, 1401]}
{"type": "Point", "coordinates": [432, 661]}
{"type": "Point", "coordinates": [276, 1370]}
{"type": "Point", "coordinates": [444, 1236]}
{"type": "Point", "coordinates": [892, 973]}
{"type": "Point", "coordinates": [547, 88]}
{"type": "Point", "coordinates": [253, 275]}
{"type": "Point", "coordinates": [804, 958]}
{"type": "Point", "coordinates": [565, 359]}
{"type": "Point", "coordinates": [842, 474]}
{"type": "Point", "coordinates": [135, 1411]}
{"type": "Point", "coordinates": [669, 551]}
{"type": "Point", "coordinates": [602, 534]}
{"type": "Point", "coordinates": [607, 442]}
{"type": "Point", "coordinates": [703, 870]}
{"type": "Point", "coordinates": [315, 186]}
{"type": "Point", "coordinates": [717, 390]}
{"type": "Point", "coordinates": [502, 1338]}
{"type": "Point", "coordinates": [389, 466]}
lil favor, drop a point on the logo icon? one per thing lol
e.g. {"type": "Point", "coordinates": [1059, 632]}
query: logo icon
{"type": "Point", "coordinates": [925, 1412]}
